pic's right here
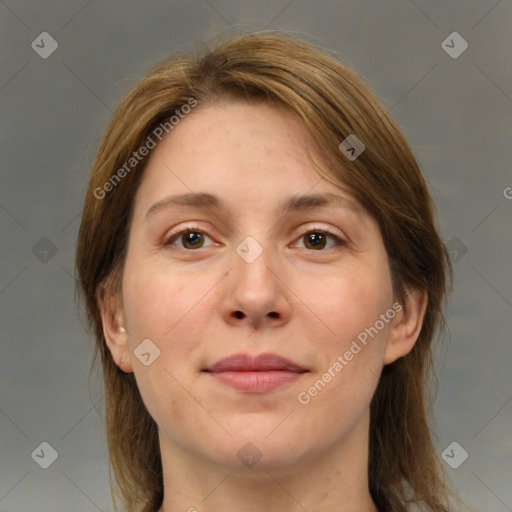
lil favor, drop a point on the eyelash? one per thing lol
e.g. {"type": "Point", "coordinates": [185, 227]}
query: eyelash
{"type": "Point", "coordinates": [194, 229]}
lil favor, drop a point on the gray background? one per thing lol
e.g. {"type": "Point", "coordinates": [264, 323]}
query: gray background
{"type": "Point", "coordinates": [456, 113]}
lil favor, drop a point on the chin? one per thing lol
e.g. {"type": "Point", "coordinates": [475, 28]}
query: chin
{"type": "Point", "coordinates": [261, 443]}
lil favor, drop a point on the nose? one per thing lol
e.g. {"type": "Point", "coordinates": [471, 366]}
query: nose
{"type": "Point", "coordinates": [255, 292]}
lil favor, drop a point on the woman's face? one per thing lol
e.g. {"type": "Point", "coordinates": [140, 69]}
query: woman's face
{"type": "Point", "coordinates": [277, 262]}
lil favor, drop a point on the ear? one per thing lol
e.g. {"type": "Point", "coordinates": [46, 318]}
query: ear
{"type": "Point", "coordinates": [114, 327]}
{"type": "Point", "coordinates": [406, 326]}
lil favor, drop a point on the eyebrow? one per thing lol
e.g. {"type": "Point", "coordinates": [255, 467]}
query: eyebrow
{"type": "Point", "coordinates": [294, 203]}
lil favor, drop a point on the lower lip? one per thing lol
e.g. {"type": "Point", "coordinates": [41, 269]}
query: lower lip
{"type": "Point", "coordinates": [256, 382]}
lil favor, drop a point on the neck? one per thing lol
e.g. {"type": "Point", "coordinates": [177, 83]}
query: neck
{"type": "Point", "coordinates": [334, 480]}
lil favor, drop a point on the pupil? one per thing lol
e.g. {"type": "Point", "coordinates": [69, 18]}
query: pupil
{"type": "Point", "coordinates": [317, 239]}
{"type": "Point", "coordinates": [193, 238]}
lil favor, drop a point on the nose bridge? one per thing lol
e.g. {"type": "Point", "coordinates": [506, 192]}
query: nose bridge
{"type": "Point", "coordinates": [253, 289]}
{"type": "Point", "coordinates": [253, 261]}
{"type": "Point", "coordinates": [250, 250]}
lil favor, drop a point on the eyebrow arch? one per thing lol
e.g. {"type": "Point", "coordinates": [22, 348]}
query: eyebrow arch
{"type": "Point", "coordinates": [297, 202]}
{"type": "Point", "coordinates": [305, 202]}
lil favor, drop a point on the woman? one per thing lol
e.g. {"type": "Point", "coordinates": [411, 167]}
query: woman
{"type": "Point", "coordinates": [262, 270]}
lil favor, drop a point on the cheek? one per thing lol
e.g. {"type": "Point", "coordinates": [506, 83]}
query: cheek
{"type": "Point", "coordinates": [350, 354]}
{"type": "Point", "coordinates": [154, 299]}
{"type": "Point", "coordinates": [348, 302]}
{"type": "Point", "coordinates": [172, 309]}
{"type": "Point", "coordinates": [353, 340]}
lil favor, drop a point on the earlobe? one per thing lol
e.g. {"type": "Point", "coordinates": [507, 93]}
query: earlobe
{"type": "Point", "coordinates": [114, 329]}
{"type": "Point", "coordinates": [406, 326]}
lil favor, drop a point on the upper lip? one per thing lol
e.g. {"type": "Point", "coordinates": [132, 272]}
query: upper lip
{"type": "Point", "coordinates": [261, 363]}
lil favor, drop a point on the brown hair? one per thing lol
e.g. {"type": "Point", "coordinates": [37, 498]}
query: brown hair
{"type": "Point", "coordinates": [332, 102]}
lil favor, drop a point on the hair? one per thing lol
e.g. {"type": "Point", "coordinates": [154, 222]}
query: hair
{"type": "Point", "coordinates": [333, 102]}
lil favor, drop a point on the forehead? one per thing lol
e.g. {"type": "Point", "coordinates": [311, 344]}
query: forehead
{"type": "Point", "coordinates": [246, 154]}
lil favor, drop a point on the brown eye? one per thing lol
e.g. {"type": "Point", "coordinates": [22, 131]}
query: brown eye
{"type": "Point", "coordinates": [318, 240]}
{"type": "Point", "coordinates": [315, 240]}
{"type": "Point", "coordinates": [190, 238]}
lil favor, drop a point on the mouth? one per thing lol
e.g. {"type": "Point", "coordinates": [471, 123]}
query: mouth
{"type": "Point", "coordinates": [260, 374]}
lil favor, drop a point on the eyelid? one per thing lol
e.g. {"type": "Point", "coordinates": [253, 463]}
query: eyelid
{"type": "Point", "coordinates": [326, 231]}
{"type": "Point", "coordinates": [173, 236]}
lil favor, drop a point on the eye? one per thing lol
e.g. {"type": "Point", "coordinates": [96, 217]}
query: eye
{"type": "Point", "coordinates": [190, 238]}
{"type": "Point", "coordinates": [317, 239]}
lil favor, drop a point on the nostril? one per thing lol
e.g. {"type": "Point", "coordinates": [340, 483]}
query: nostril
{"type": "Point", "coordinates": [273, 314]}
{"type": "Point", "coordinates": [239, 314]}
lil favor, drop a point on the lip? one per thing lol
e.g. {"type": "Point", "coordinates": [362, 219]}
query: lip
{"type": "Point", "coordinates": [260, 374]}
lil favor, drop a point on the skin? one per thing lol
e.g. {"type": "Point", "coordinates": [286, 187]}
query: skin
{"type": "Point", "coordinates": [301, 301]}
